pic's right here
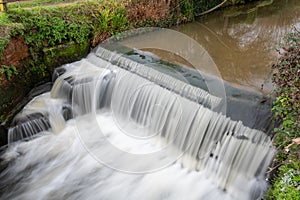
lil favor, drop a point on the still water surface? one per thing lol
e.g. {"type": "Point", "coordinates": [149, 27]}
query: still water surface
{"type": "Point", "coordinates": [241, 40]}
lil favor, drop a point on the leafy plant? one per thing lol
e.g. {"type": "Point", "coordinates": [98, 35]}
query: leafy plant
{"type": "Point", "coordinates": [187, 10]}
{"type": "Point", "coordinates": [286, 108]}
{"type": "Point", "coordinates": [9, 71]}
{"type": "Point", "coordinates": [47, 27]}
{"type": "Point", "coordinates": [287, 184]}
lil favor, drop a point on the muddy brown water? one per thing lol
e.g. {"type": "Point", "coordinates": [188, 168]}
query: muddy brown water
{"type": "Point", "coordinates": [241, 41]}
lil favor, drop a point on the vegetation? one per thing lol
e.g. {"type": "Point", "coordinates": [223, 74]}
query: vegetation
{"type": "Point", "coordinates": [47, 27]}
{"type": "Point", "coordinates": [286, 108]}
{"type": "Point", "coordinates": [72, 26]}
{"type": "Point", "coordinates": [24, 4]}
{"type": "Point", "coordinates": [8, 29]}
{"type": "Point", "coordinates": [8, 71]}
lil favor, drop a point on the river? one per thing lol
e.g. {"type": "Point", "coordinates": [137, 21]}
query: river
{"type": "Point", "coordinates": [242, 41]}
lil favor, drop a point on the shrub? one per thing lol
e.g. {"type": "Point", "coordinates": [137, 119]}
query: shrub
{"type": "Point", "coordinates": [286, 109]}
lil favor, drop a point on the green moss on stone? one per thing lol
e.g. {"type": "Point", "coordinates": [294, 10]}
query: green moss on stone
{"type": "Point", "coordinates": [66, 53]}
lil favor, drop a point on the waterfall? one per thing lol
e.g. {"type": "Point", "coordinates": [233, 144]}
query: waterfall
{"type": "Point", "coordinates": [139, 111]}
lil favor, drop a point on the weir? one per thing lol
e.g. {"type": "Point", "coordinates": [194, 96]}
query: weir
{"type": "Point", "coordinates": [139, 111]}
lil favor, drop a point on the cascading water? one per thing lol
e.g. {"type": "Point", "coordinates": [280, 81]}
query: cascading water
{"type": "Point", "coordinates": [122, 112]}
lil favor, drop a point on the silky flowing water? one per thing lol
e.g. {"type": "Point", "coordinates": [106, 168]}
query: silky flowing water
{"type": "Point", "coordinates": [136, 133]}
{"type": "Point", "coordinates": [114, 128]}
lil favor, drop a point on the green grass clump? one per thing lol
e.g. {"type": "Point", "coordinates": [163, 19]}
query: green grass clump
{"type": "Point", "coordinates": [33, 3]}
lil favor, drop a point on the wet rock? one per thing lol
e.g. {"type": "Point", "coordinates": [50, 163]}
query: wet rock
{"type": "Point", "coordinates": [3, 135]}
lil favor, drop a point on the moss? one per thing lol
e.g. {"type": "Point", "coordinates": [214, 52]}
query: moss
{"type": "Point", "coordinates": [66, 53]}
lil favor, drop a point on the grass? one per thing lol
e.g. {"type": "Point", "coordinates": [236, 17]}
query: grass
{"type": "Point", "coordinates": [34, 3]}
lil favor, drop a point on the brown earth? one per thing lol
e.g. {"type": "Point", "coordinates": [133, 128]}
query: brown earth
{"type": "Point", "coordinates": [14, 52]}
